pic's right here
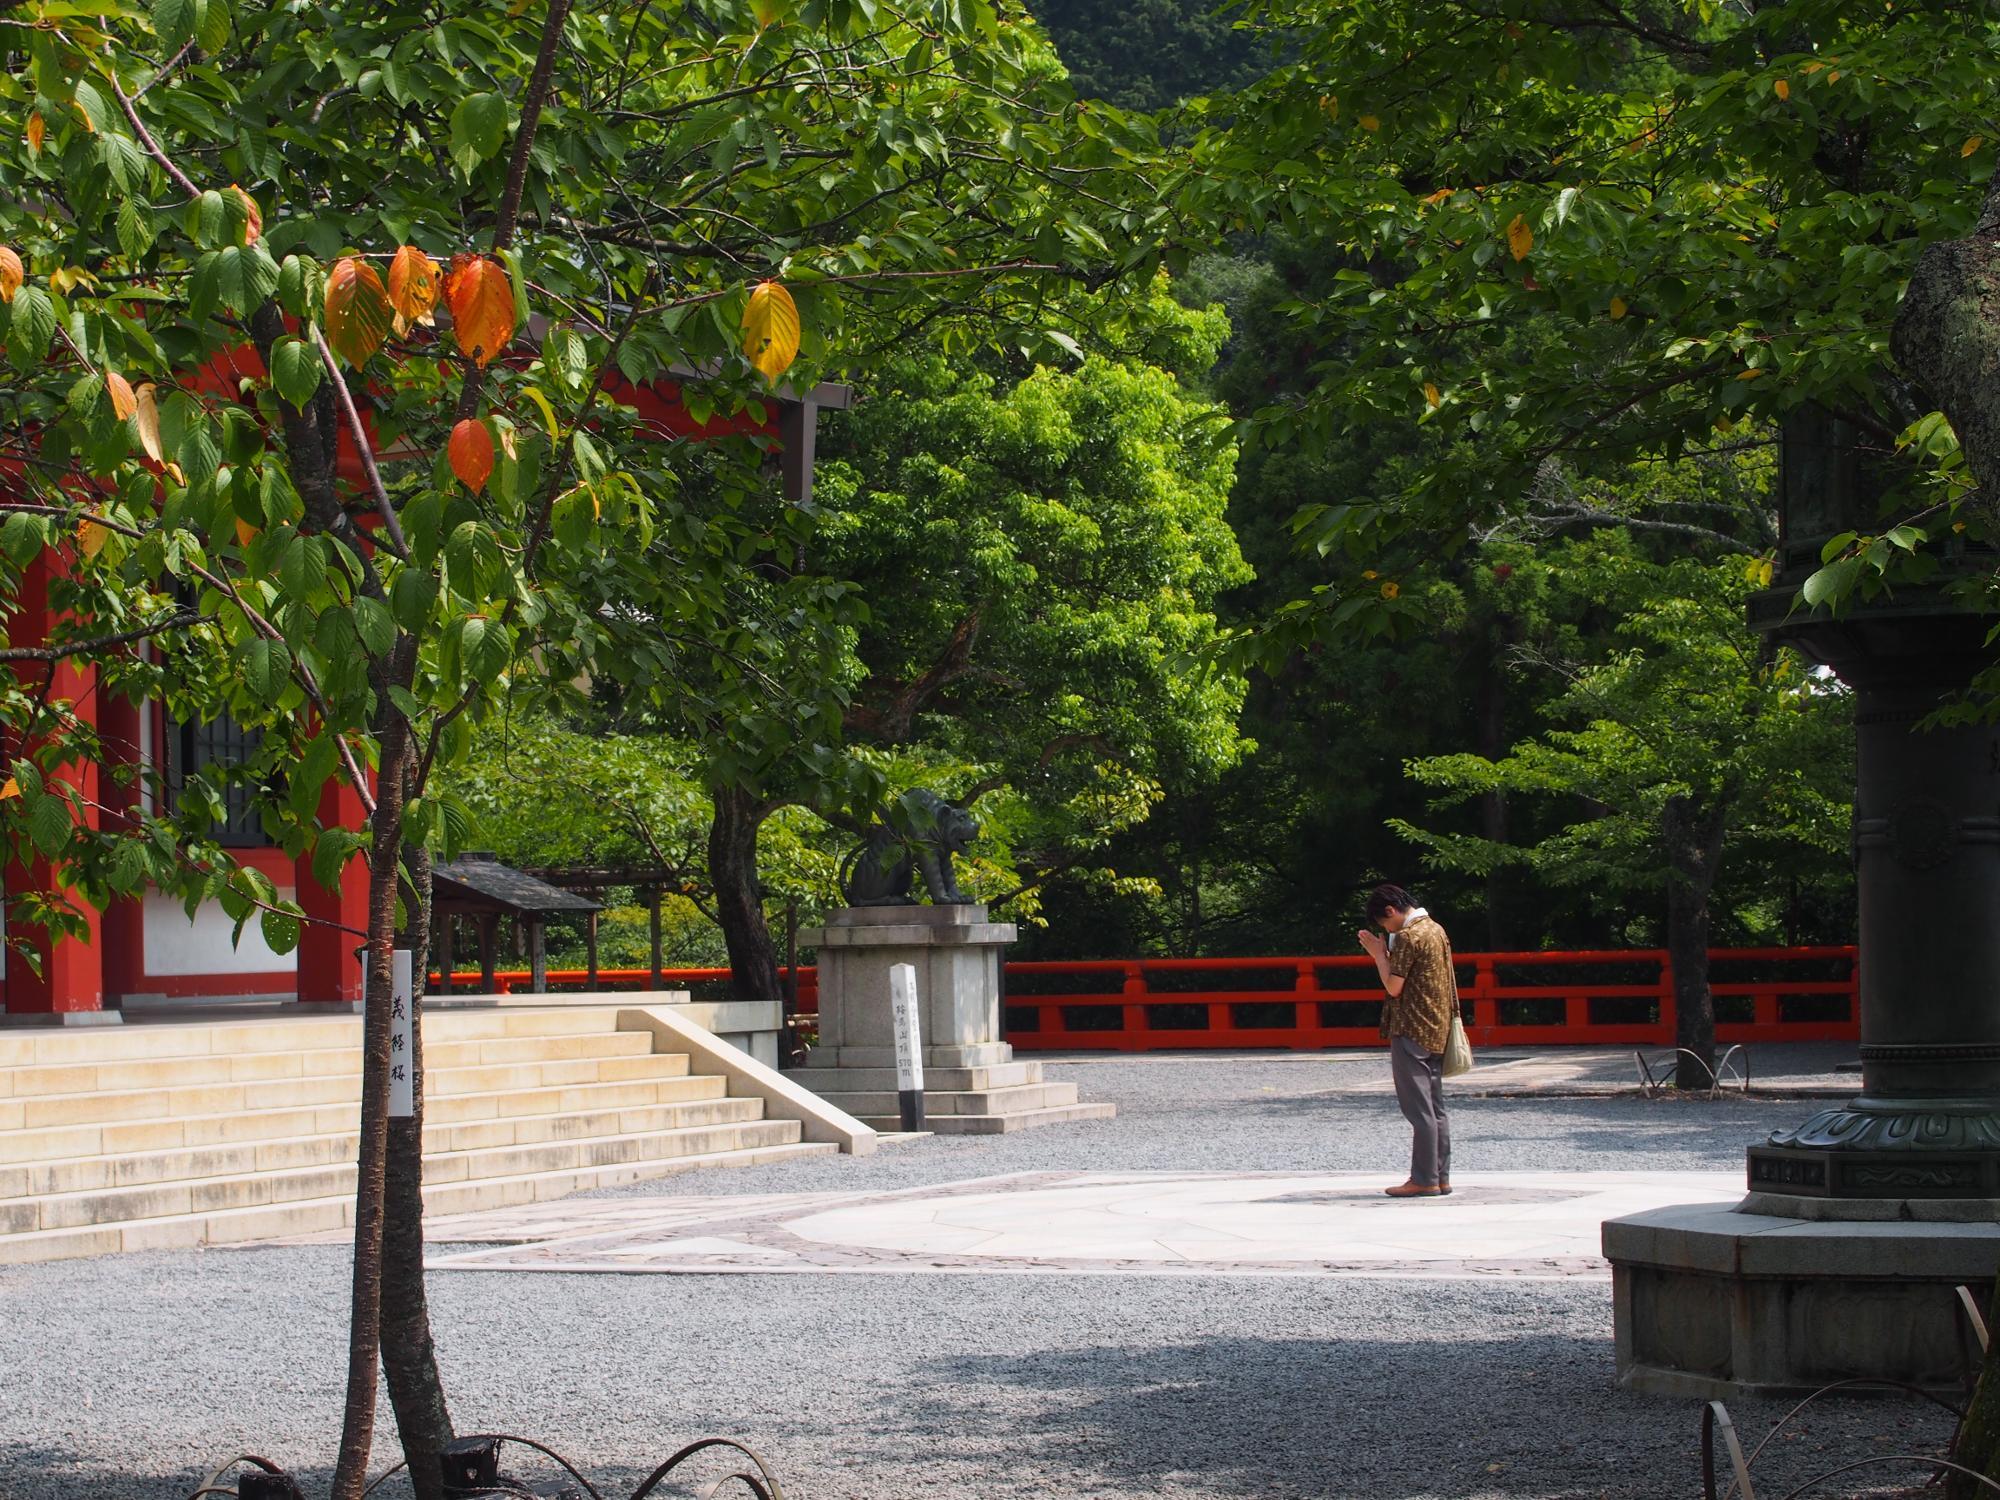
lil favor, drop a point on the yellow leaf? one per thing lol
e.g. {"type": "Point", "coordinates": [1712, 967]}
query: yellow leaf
{"type": "Point", "coordinates": [123, 402]}
{"type": "Point", "coordinates": [1520, 238]}
{"type": "Point", "coordinates": [1618, 308]}
{"type": "Point", "coordinates": [37, 131]}
{"type": "Point", "coordinates": [83, 115]}
{"type": "Point", "coordinates": [1813, 67]}
{"type": "Point", "coordinates": [9, 788]}
{"type": "Point", "coordinates": [357, 310]}
{"type": "Point", "coordinates": [1752, 374]}
{"type": "Point", "coordinates": [1972, 144]}
{"type": "Point", "coordinates": [771, 330]}
{"type": "Point", "coordinates": [66, 279]}
{"type": "Point", "coordinates": [1432, 200]}
{"type": "Point", "coordinates": [767, 12]}
{"type": "Point", "coordinates": [1330, 105]}
{"type": "Point", "coordinates": [1764, 573]}
{"type": "Point", "coordinates": [91, 536]}
{"type": "Point", "coordinates": [1390, 590]}
{"type": "Point", "coordinates": [1783, 89]}
{"type": "Point", "coordinates": [148, 412]}
{"type": "Point", "coordinates": [174, 473]}
{"type": "Point", "coordinates": [1431, 395]}
{"type": "Point", "coordinates": [1834, 76]}
{"type": "Point", "coordinates": [1370, 574]}
{"type": "Point", "coordinates": [548, 412]}
{"type": "Point", "coordinates": [12, 272]}
{"type": "Point", "coordinates": [1369, 122]}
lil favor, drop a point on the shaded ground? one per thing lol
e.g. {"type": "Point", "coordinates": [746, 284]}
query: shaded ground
{"type": "Point", "coordinates": [119, 1377]}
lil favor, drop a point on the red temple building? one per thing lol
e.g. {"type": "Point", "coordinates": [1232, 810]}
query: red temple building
{"type": "Point", "coordinates": [146, 947]}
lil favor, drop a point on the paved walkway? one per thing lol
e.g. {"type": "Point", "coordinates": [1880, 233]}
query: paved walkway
{"type": "Point", "coordinates": [1504, 1224]}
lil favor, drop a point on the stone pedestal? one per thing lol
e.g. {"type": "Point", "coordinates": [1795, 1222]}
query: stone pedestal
{"type": "Point", "coordinates": [1712, 1302]}
{"type": "Point", "coordinates": [957, 954]}
{"type": "Point", "coordinates": [972, 1085]}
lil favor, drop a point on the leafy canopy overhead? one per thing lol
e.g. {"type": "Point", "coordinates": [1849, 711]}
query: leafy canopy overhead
{"type": "Point", "coordinates": [1594, 232]}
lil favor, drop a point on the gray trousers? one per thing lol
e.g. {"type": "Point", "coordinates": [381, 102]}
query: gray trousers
{"type": "Point", "coordinates": [1420, 1090]}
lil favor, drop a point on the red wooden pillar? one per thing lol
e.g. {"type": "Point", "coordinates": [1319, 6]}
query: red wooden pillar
{"type": "Point", "coordinates": [71, 980]}
{"type": "Point", "coordinates": [329, 970]}
{"type": "Point", "coordinates": [124, 929]}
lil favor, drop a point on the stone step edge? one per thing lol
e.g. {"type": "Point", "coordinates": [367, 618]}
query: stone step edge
{"type": "Point", "coordinates": [1027, 1119]}
{"type": "Point", "coordinates": [432, 1077]}
{"type": "Point", "coordinates": [195, 1231]}
{"type": "Point", "coordinates": [315, 1137]}
{"type": "Point", "coordinates": [333, 1026]}
{"type": "Point", "coordinates": [469, 1155]}
{"type": "Point", "coordinates": [237, 1114]}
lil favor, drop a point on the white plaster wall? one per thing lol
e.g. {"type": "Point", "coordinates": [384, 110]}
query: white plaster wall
{"type": "Point", "coordinates": [175, 946]}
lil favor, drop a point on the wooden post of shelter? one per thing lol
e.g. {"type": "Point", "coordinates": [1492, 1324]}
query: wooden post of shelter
{"type": "Point", "coordinates": [590, 946]}
{"type": "Point", "coordinates": [538, 957]}
{"type": "Point", "coordinates": [488, 939]}
{"type": "Point", "coordinates": [654, 913]}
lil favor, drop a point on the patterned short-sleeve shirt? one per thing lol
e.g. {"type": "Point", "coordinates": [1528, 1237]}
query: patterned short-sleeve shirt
{"type": "Point", "coordinates": [1421, 957]}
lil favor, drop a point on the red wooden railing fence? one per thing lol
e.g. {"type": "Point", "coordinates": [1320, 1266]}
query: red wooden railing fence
{"type": "Point", "coordinates": [1617, 997]}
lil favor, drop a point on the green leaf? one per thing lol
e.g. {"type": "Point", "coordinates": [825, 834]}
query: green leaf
{"type": "Point", "coordinates": [296, 370]}
{"type": "Point", "coordinates": [213, 29]}
{"type": "Point", "coordinates": [49, 824]}
{"type": "Point", "coordinates": [478, 128]}
{"type": "Point", "coordinates": [31, 327]}
{"type": "Point", "coordinates": [374, 624]}
{"type": "Point", "coordinates": [175, 22]}
{"type": "Point", "coordinates": [266, 667]}
{"type": "Point", "coordinates": [135, 229]}
{"type": "Point", "coordinates": [281, 931]}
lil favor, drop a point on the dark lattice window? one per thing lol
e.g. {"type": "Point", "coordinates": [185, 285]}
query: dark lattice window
{"type": "Point", "coordinates": [222, 744]}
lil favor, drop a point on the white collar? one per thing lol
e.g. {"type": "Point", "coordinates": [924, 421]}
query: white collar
{"type": "Point", "coordinates": [1408, 917]}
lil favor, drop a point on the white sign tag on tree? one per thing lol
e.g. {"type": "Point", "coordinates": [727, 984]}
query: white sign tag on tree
{"type": "Point", "coordinates": [909, 1045]}
{"type": "Point", "coordinates": [402, 1039]}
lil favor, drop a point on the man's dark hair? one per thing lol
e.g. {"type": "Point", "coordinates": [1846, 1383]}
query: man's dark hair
{"type": "Point", "coordinates": [1386, 898]}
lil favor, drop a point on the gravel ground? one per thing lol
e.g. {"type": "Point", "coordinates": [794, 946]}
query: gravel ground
{"type": "Point", "coordinates": [120, 1376]}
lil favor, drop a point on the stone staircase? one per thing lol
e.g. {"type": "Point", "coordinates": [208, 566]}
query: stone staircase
{"type": "Point", "coordinates": [174, 1134]}
{"type": "Point", "coordinates": [989, 1100]}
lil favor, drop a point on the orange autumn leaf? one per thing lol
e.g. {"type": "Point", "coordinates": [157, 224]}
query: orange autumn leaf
{"type": "Point", "coordinates": [471, 453]}
{"type": "Point", "coordinates": [481, 298]}
{"type": "Point", "coordinates": [123, 402]}
{"type": "Point", "coordinates": [413, 287]}
{"type": "Point", "coordinates": [357, 310]}
{"type": "Point", "coordinates": [38, 129]}
{"type": "Point", "coordinates": [253, 229]}
{"type": "Point", "coordinates": [1431, 396]}
{"type": "Point", "coordinates": [245, 532]}
{"type": "Point", "coordinates": [9, 788]}
{"type": "Point", "coordinates": [1369, 123]}
{"type": "Point", "coordinates": [1782, 88]}
{"type": "Point", "coordinates": [91, 536]}
{"type": "Point", "coordinates": [1391, 590]}
{"type": "Point", "coordinates": [83, 117]}
{"type": "Point", "coordinates": [1618, 308]}
{"type": "Point", "coordinates": [1972, 144]}
{"type": "Point", "coordinates": [1520, 238]}
{"type": "Point", "coordinates": [771, 330]}
{"type": "Point", "coordinates": [12, 272]}
{"type": "Point", "coordinates": [1432, 200]}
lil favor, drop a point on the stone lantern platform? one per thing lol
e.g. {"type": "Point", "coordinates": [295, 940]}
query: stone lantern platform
{"type": "Point", "coordinates": [1859, 1223]}
{"type": "Point", "coordinates": [972, 1084]}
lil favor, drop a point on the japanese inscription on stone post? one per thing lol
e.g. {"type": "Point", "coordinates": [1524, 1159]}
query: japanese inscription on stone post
{"type": "Point", "coordinates": [402, 1040]}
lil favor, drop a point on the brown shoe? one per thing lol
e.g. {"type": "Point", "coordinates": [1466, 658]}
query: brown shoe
{"type": "Point", "coordinates": [1444, 1187]}
{"type": "Point", "coordinates": [1411, 1190]}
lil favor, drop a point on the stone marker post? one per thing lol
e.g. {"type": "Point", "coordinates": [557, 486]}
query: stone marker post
{"type": "Point", "coordinates": [909, 1046]}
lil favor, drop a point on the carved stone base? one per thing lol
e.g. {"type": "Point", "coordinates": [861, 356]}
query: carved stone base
{"type": "Point", "coordinates": [1713, 1302]}
{"type": "Point", "coordinates": [1878, 1149]}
